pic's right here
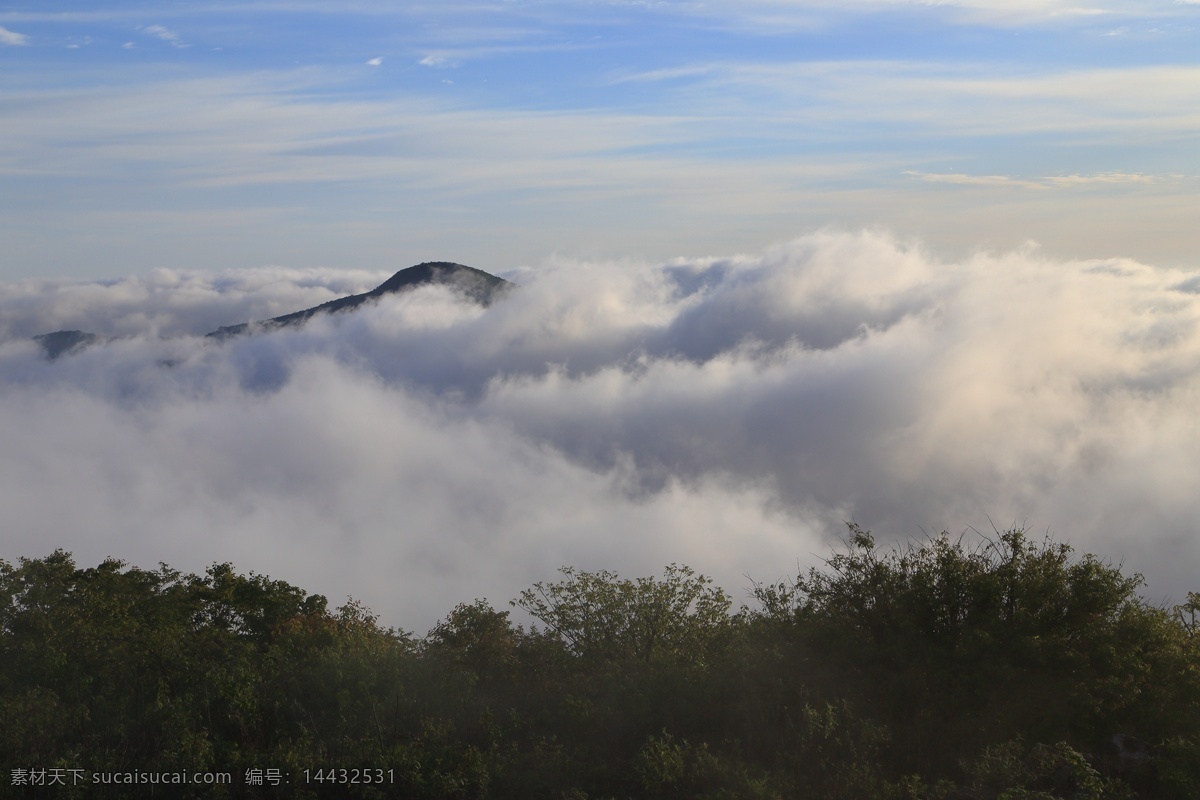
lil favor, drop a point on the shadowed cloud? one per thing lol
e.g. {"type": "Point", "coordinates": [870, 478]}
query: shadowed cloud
{"type": "Point", "coordinates": [725, 412]}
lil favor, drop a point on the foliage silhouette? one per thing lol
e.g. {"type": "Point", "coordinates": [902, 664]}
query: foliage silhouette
{"type": "Point", "coordinates": [1006, 667]}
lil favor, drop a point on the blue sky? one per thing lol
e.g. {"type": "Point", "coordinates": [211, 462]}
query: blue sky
{"type": "Point", "coordinates": [374, 135]}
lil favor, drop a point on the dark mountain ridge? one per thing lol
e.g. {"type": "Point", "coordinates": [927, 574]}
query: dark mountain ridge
{"type": "Point", "coordinates": [481, 287]}
{"type": "Point", "coordinates": [61, 343]}
{"type": "Point", "coordinates": [475, 284]}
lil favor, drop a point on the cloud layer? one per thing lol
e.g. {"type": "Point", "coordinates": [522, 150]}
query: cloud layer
{"type": "Point", "coordinates": [729, 413]}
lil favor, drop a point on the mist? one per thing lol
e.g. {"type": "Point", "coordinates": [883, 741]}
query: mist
{"type": "Point", "coordinates": [731, 413]}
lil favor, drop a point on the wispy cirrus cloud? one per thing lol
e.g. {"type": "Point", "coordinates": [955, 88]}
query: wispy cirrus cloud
{"type": "Point", "coordinates": [1108, 178]}
{"type": "Point", "coordinates": [1044, 182]}
{"type": "Point", "coordinates": [799, 13]}
{"type": "Point", "coordinates": [723, 131]}
{"type": "Point", "coordinates": [962, 179]}
{"type": "Point", "coordinates": [277, 116]}
{"type": "Point", "coordinates": [776, 18]}
{"type": "Point", "coordinates": [932, 98]}
{"type": "Point", "coordinates": [436, 60]}
{"type": "Point", "coordinates": [164, 34]}
{"type": "Point", "coordinates": [437, 162]}
{"type": "Point", "coordinates": [12, 37]}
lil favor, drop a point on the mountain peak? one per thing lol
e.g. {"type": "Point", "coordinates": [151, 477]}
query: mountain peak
{"type": "Point", "coordinates": [61, 343]}
{"type": "Point", "coordinates": [477, 285]}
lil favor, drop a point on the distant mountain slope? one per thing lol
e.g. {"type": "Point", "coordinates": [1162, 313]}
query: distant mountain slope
{"type": "Point", "coordinates": [61, 343]}
{"type": "Point", "coordinates": [480, 286]}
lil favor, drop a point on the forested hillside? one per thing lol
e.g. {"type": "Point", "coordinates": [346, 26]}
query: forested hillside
{"type": "Point", "coordinates": [1010, 668]}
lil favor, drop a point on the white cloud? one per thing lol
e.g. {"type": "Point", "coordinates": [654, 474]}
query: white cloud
{"type": "Point", "coordinates": [165, 34]}
{"type": "Point", "coordinates": [724, 412]}
{"type": "Point", "coordinates": [1045, 182]}
{"type": "Point", "coordinates": [374, 62]}
{"type": "Point", "coordinates": [917, 100]}
{"type": "Point", "coordinates": [783, 14]}
{"type": "Point", "coordinates": [170, 303]}
{"type": "Point", "coordinates": [732, 153]}
{"type": "Point", "coordinates": [963, 179]}
{"type": "Point", "coordinates": [12, 37]}
{"type": "Point", "coordinates": [1109, 178]}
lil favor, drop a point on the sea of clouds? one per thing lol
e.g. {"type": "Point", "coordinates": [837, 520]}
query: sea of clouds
{"type": "Point", "coordinates": [729, 413]}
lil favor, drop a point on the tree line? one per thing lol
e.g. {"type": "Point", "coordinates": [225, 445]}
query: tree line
{"type": "Point", "coordinates": [1007, 668]}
